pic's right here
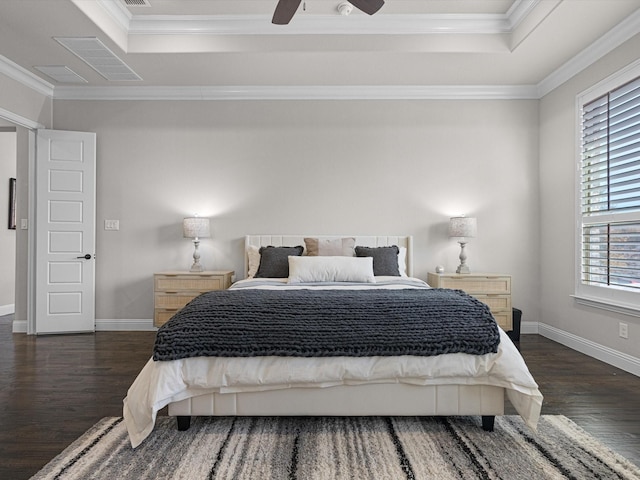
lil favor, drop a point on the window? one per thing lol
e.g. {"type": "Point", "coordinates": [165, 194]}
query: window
{"type": "Point", "coordinates": [609, 185]}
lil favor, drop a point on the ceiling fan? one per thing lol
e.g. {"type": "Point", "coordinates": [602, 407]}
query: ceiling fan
{"type": "Point", "coordinates": [286, 9]}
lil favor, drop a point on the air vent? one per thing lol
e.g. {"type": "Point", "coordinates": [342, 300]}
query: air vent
{"type": "Point", "coordinates": [136, 3]}
{"type": "Point", "coordinates": [60, 73]}
{"type": "Point", "coordinates": [99, 57]}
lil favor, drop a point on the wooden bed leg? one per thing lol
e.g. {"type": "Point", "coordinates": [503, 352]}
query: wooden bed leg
{"type": "Point", "coordinates": [184, 422]}
{"type": "Point", "coordinates": [487, 422]}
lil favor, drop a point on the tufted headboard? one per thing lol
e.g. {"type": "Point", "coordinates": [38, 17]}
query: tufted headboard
{"type": "Point", "coordinates": [365, 241]}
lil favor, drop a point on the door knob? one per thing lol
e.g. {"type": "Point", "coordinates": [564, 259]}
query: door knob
{"type": "Point", "coordinates": [86, 257]}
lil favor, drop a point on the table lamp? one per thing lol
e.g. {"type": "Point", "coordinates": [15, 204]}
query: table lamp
{"type": "Point", "coordinates": [196, 228]}
{"type": "Point", "coordinates": [463, 228]}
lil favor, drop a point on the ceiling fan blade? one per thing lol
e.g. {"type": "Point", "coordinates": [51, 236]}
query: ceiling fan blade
{"type": "Point", "coordinates": [285, 10]}
{"type": "Point", "coordinates": [368, 6]}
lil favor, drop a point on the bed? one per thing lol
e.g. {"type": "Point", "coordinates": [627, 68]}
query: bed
{"type": "Point", "coordinates": [340, 385]}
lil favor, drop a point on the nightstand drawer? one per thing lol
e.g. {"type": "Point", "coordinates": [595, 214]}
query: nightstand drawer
{"type": "Point", "coordinates": [173, 300]}
{"type": "Point", "coordinates": [504, 319]}
{"type": "Point", "coordinates": [161, 317]}
{"type": "Point", "coordinates": [477, 284]}
{"type": "Point", "coordinates": [496, 302]}
{"type": "Point", "coordinates": [181, 283]}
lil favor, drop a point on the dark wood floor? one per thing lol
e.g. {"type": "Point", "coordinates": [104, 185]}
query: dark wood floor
{"type": "Point", "coordinates": [53, 388]}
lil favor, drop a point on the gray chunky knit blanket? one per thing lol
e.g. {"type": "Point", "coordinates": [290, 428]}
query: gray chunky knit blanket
{"type": "Point", "coordinates": [316, 323]}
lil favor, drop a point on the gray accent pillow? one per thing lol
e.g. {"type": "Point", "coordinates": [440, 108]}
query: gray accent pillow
{"type": "Point", "coordinates": [274, 261]}
{"type": "Point", "coordinates": [385, 259]}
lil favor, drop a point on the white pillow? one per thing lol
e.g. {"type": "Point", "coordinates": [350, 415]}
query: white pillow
{"type": "Point", "coordinates": [331, 269]}
{"type": "Point", "coordinates": [402, 261]}
{"type": "Point", "coordinates": [253, 255]}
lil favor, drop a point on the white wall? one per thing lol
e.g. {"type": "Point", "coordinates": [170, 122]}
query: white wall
{"type": "Point", "coordinates": [330, 167]}
{"type": "Point", "coordinates": [7, 237]}
{"type": "Point", "coordinates": [557, 179]}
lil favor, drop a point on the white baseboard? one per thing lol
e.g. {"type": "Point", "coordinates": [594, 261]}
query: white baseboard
{"type": "Point", "coordinates": [529, 327]}
{"type": "Point", "coordinates": [125, 325]}
{"type": "Point", "coordinates": [608, 355]}
{"type": "Point", "coordinates": [7, 309]}
{"type": "Point", "coordinates": [105, 325]}
{"type": "Point", "coordinates": [19, 326]}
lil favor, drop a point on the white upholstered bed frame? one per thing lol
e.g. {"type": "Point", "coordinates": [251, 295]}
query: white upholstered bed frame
{"type": "Point", "coordinates": [387, 399]}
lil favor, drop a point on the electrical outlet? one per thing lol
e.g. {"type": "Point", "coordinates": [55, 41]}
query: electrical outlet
{"type": "Point", "coordinates": [623, 330]}
{"type": "Point", "coordinates": [112, 224]}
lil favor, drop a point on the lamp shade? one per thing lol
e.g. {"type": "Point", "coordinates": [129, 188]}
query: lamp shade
{"type": "Point", "coordinates": [463, 227]}
{"type": "Point", "coordinates": [196, 227]}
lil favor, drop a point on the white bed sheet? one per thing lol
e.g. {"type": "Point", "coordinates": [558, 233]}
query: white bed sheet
{"type": "Point", "coordinates": [282, 283]}
{"type": "Point", "coordinates": [161, 383]}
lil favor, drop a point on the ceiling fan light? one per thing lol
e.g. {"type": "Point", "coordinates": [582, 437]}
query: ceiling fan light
{"type": "Point", "coordinates": [345, 9]}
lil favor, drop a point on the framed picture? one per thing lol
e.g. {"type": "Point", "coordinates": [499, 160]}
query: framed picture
{"type": "Point", "coordinates": [12, 203]}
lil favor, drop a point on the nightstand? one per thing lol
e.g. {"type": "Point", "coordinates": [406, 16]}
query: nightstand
{"type": "Point", "coordinates": [173, 290]}
{"type": "Point", "coordinates": [494, 289]}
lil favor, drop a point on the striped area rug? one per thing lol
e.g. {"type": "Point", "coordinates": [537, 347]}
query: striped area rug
{"type": "Point", "coordinates": [359, 448]}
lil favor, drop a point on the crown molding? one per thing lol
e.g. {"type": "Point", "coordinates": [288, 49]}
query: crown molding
{"type": "Point", "coordinates": [25, 77]}
{"type": "Point", "coordinates": [624, 31]}
{"type": "Point", "coordinates": [519, 11]}
{"type": "Point", "coordinates": [116, 10]}
{"type": "Point", "coordinates": [19, 119]}
{"type": "Point", "coordinates": [310, 92]}
{"type": "Point", "coordinates": [390, 24]}
{"type": "Point", "coordinates": [399, 24]}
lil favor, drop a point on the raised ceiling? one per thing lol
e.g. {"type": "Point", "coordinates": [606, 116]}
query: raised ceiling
{"type": "Point", "coordinates": [408, 44]}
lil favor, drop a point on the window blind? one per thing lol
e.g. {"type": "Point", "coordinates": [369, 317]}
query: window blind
{"type": "Point", "coordinates": [611, 254]}
{"type": "Point", "coordinates": [610, 188]}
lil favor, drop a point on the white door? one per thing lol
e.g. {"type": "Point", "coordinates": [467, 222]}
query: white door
{"type": "Point", "coordinates": [65, 231]}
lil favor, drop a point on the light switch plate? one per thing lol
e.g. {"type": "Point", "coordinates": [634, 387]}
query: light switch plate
{"type": "Point", "coordinates": [112, 224]}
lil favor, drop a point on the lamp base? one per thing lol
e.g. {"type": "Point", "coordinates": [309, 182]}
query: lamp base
{"type": "Point", "coordinates": [463, 269]}
{"type": "Point", "coordinates": [196, 267]}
